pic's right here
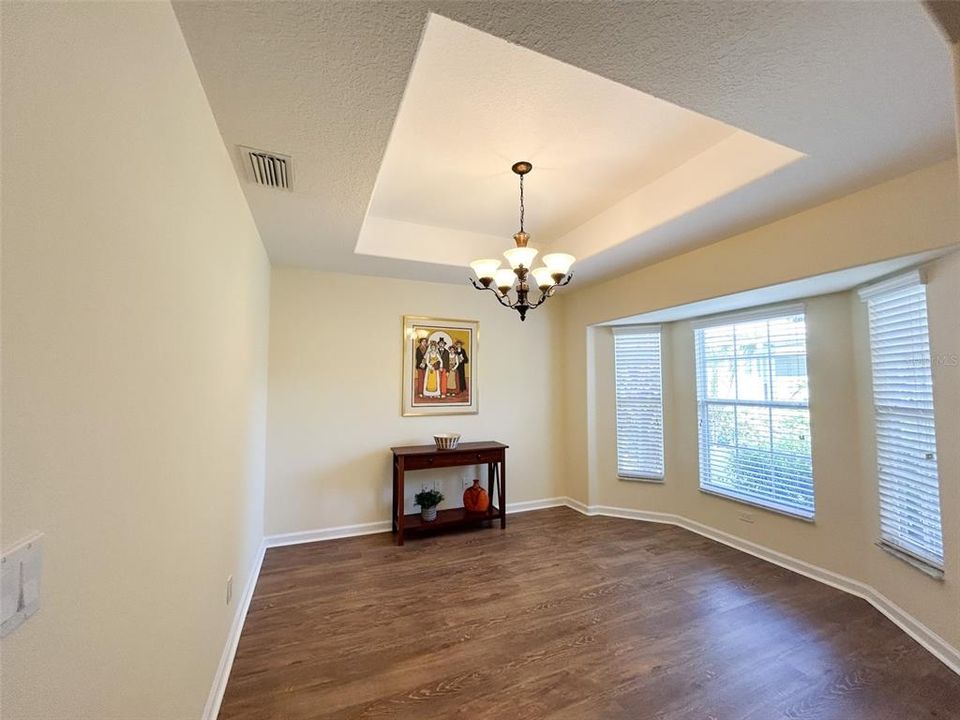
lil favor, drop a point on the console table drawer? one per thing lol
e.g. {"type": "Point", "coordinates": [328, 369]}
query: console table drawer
{"type": "Point", "coordinates": [452, 458]}
{"type": "Point", "coordinates": [487, 457]}
{"type": "Point", "coordinates": [419, 462]}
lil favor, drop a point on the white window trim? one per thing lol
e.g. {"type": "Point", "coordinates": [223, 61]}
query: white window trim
{"type": "Point", "coordinates": [643, 330]}
{"type": "Point", "coordinates": [636, 329]}
{"type": "Point", "coordinates": [763, 313]}
{"type": "Point", "coordinates": [917, 276]}
{"type": "Point", "coordinates": [909, 558]}
{"type": "Point", "coordinates": [732, 318]}
{"type": "Point", "coordinates": [772, 507]}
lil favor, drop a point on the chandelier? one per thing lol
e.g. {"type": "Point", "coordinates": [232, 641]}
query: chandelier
{"type": "Point", "coordinates": [554, 273]}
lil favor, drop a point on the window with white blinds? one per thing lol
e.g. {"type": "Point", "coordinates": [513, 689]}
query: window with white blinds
{"type": "Point", "coordinates": [754, 414]}
{"type": "Point", "coordinates": [903, 415]}
{"type": "Point", "coordinates": [639, 402]}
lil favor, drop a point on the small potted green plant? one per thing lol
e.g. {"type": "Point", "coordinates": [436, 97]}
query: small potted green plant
{"type": "Point", "coordinates": [427, 501]}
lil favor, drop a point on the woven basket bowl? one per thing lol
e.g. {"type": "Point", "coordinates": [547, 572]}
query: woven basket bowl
{"type": "Point", "coordinates": [447, 441]}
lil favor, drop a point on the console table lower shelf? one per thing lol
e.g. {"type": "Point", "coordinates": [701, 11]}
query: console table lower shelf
{"type": "Point", "coordinates": [424, 457]}
{"type": "Point", "coordinates": [452, 518]}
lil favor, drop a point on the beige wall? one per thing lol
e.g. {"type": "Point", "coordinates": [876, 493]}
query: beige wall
{"type": "Point", "coordinates": [135, 292]}
{"type": "Point", "coordinates": [910, 214]}
{"type": "Point", "coordinates": [334, 386]}
{"type": "Point", "coordinates": [842, 538]}
{"type": "Point", "coordinates": [955, 50]}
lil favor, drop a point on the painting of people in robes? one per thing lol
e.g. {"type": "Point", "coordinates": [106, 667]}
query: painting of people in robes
{"type": "Point", "coordinates": [439, 366]}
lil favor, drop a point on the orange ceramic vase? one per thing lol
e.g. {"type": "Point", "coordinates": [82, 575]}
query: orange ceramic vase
{"type": "Point", "coordinates": [475, 498]}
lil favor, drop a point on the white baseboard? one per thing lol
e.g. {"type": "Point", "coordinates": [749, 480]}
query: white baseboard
{"type": "Point", "coordinates": [628, 514]}
{"type": "Point", "coordinates": [334, 533]}
{"type": "Point", "coordinates": [527, 505]}
{"type": "Point", "coordinates": [212, 708]}
{"type": "Point", "coordinates": [940, 648]}
{"type": "Point", "coordinates": [578, 506]}
{"type": "Point", "coordinates": [347, 531]}
{"type": "Point", "coordinates": [936, 645]}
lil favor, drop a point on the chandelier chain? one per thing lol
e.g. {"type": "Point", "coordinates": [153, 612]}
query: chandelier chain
{"type": "Point", "coordinates": [521, 204]}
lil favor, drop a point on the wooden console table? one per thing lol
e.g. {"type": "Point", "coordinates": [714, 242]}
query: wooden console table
{"type": "Point", "coordinates": [422, 457]}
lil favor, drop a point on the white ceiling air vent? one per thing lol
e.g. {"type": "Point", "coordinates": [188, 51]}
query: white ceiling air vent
{"type": "Point", "coordinates": [267, 168]}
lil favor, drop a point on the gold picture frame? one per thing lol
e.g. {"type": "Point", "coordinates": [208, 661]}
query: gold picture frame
{"type": "Point", "coordinates": [440, 366]}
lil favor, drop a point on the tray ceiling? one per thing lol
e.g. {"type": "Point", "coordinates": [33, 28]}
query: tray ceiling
{"type": "Point", "coordinates": [862, 90]}
{"type": "Point", "coordinates": [474, 104]}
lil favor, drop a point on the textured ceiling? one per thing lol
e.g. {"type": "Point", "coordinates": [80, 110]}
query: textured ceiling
{"type": "Point", "coordinates": [863, 89]}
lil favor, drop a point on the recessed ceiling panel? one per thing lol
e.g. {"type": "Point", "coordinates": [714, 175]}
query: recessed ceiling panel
{"type": "Point", "coordinates": [609, 161]}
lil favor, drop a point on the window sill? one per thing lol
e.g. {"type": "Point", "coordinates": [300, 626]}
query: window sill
{"type": "Point", "coordinates": [921, 565]}
{"type": "Point", "coordinates": [641, 479]}
{"type": "Point", "coordinates": [761, 506]}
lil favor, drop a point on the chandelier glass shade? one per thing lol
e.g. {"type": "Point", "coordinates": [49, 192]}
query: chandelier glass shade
{"type": "Point", "coordinates": [501, 281]}
{"type": "Point", "coordinates": [504, 279]}
{"type": "Point", "coordinates": [521, 257]}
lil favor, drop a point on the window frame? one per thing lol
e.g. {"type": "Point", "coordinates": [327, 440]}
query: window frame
{"type": "Point", "coordinates": [703, 426]}
{"type": "Point", "coordinates": [626, 331]}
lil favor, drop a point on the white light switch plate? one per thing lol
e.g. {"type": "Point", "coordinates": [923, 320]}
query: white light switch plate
{"type": "Point", "coordinates": [20, 570]}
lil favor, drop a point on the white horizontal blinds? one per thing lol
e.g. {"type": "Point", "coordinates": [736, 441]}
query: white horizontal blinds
{"type": "Point", "coordinates": [639, 402]}
{"type": "Point", "coordinates": [754, 414]}
{"type": "Point", "coordinates": [903, 411]}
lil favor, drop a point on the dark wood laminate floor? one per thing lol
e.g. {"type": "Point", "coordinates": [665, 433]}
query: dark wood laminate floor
{"type": "Point", "coordinates": [563, 616]}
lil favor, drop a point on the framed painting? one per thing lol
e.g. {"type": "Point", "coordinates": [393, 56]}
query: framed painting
{"type": "Point", "coordinates": [439, 366]}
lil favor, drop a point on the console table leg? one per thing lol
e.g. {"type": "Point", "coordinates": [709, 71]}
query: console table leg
{"type": "Point", "coordinates": [503, 492]}
{"type": "Point", "coordinates": [400, 494]}
{"type": "Point", "coordinates": [393, 517]}
{"type": "Point", "coordinates": [491, 482]}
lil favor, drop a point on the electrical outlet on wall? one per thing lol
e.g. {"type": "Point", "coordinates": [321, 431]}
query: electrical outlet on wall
{"type": "Point", "coordinates": [229, 588]}
{"type": "Point", "coordinates": [20, 569]}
